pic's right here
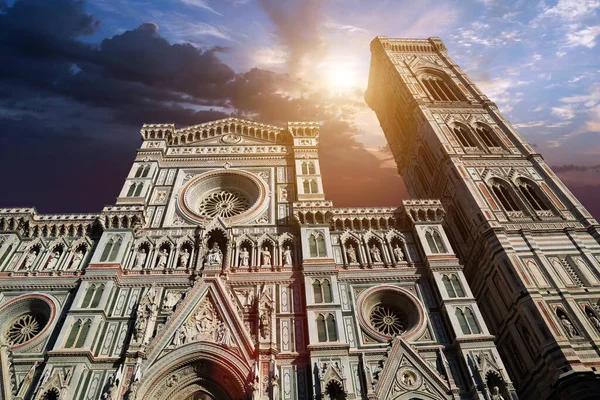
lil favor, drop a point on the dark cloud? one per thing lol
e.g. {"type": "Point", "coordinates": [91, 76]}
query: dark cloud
{"type": "Point", "coordinates": [572, 167]}
{"type": "Point", "coordinates": [74, 109]}
{"type": "Point", "coordinates": [297, 24]}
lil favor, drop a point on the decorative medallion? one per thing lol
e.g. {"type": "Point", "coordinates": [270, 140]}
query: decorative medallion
{"type": "Point", "coordinates": [224, 204]}
{"type": "Point", "coordinates": [23, 329]}
{"type": "Point", "coordinates": [409, 378]}
{"type": "Point", "coordinates": [231, 139]}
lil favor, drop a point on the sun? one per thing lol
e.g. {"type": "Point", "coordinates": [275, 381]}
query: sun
{"type": "Point", "coordinates": [341, 78]}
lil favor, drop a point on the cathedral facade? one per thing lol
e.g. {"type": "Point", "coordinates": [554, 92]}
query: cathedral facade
{"type": "Point", "coordinates": [222, 272]}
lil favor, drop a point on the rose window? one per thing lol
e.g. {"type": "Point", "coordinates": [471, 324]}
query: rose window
{"type": "Point", "coordinates": [386, 320]}
{"type": "Point", "coordinates": [23, 329]}
{"type": "Point", "coordinates": [223, 203]}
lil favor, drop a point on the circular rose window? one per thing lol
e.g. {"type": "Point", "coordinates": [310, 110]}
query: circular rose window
{"type": "Point", "coordinates": [25, 319]}
{"type": "Point", "coordinates": [389, 311]}
{"type": "Point", "coordinates": [234, 195]}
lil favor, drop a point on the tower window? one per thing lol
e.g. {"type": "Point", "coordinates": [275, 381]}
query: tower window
{"type": "Point", "coordinates": [467, 321]}
{"type": "Point", "coordinates": [308, 168]}
{"type": "Point", "coordinates": [78, 334]}
{"type": "Point", "coordinates": [464, 136]}
{"type": "Point", "coordinates": [138, 189]}
{"type": "Point", "coordinates": [326, 328]}
{"type": "Point", "coordinates": [131, 190]}
{"type": "Point", "coordinates": [486, 135]}
{"type": "Point", "coordinates": [435, 242]}
{"type": "Point", "coordinates": [438, 88]}
{"type": "Point", "coordinates": [316, 245]}
{"type": "Point", "coordinates": [322, 291]}
{"type": "Point", "coordinates": [532, 196]}
{"type": "Point", "coordinates": [504, 196]}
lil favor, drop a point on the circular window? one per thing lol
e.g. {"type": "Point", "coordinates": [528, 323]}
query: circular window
{"type": "Point", "coordinates": [389, 311]}
{"type": "Point", "coordinates": [231, 194]}
{"type": "Point", "coordinates": [25, 319]}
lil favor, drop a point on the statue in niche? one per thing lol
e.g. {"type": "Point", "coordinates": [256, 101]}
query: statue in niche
{"type": "Point", "coordinates": [163, 256]}
{"type": "Point", "coordinates": [375, 253]}
{"type": "Point", "coordinates": [496, 393]}
{"type": "Point", "coordinates": [184, 258]}
{"type": "Point", "coordinates": [171, 300]}
{"type": "Point", "coordinates": [53, 260]}
{"type": "Point", "coordinates": [594, 320]}
{"type": "Point", "coordinates": [214, 256]}
{"type": "Point", "coordinates": [398, 253]}
{"type": "Point", "coordinates": [112, 392]}
{"type": "Point", "coordinates": [140, 258]}
{"type": "Point", "coordinates": [223, 335]}
{"type": "Point", "coordinates": [265, 322]}
{"type": "Point", "coordinates": [248, 297]}
{"type": "Point", "coordinates": [287, 257]}
{"type": "Point", "coordinates": [30, 259]}
{"type": "Point", "coordinates": [244, 257]}
{"type": "Point", "coordinates": [571, 331]}
{"type": "Point", "coordinates": [351, 253]}
{"type": "Point", "coordinates": [275, 386]}
{"type": "Point", "coordinates": [144, 313]}
{"type": "Point", "coordinates": [77, 259]}
{"type": "Point", "coordinates": [266, 257]}
{"type": "Point", "coordinates": [284, 194]}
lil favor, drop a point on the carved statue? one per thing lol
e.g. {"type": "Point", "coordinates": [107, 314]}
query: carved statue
{"type": "Point", "coordinates": [571, 331]}
{"type": "Point", "coordinates": [144, 313]}
{"type": "Point", "coordinates": [53, 260]}
{"type": "Point", "coordinates": [244, 257]}
{"type": "Point", "coordinates": [351, 253]}
{"type": "Point", "coordinates": [163, 256]}
{"type": "Point", "coordinates": [287, 256]}
{"type": "Point", "coordinates": [496, 394]}
{"type": "Point", "coordinates": [112, 392]}
{"type": "Point", "coordinates": [266, 257]}
{"type": "Point", "coordinates": [184, 257]}
{"type": "Point", "coordinates": [215, 256]}
{"type": "Point", "coordinates": [248, 297]}
{"type": "Point", "coordinates": [140, 258]}
{"type": "Point", "coordinates": [223, 335]}
{"type": "Point", "coordinates": [265, 323]}
{"type": "Point", "coordinates": [398, 253]}
{"type": "Point", "coordinates": [77, 259]}
{"type": "Point", "coordinates": [594, 320]}
{"type": "Point", "coordinates": [30, 259]}
{"type": "Point", "coordinates": [375, 253]}
{"type": "Point", "coordinates": [377, 372]}
{"type": "Point", "coordinates": [275, 386]}
{"type": "Point", "coordinates": [171, 300]}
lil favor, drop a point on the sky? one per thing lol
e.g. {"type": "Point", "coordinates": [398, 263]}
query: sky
{"type": "Point", "coordinates": [79, 78]}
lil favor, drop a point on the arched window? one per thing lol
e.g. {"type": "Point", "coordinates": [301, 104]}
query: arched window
{"type": "Point", "coordinates": [115, 250]}
{"type": "Point", "coordinates": [107, 250]}
{"type": "Point", "coordinates": [314, 188]}
{"type": "Point", "coordinates": [473, 326]}
{"type": "Point", "coordinates": [146, 171]}
{"type": "Point", "coordinates": [486, 135]}
{"type": "Point", "coordinates": [438, 88]}
{"type": "Point", "coordinates": [462, 321]}
{"type": "Point", "coordinates": [316, 245]}
{"type": "Point", "coordinates": [532, 196]}
{"type": "Point", "coordinates": [331, 328]}
{"type": "Point", "coordinates": [432, 246]}
{"type": "Point", "coordinates": [83, 333]}
{"type": "Point", "coordinates": [73, 334]}
{"type": "Point", "coordinates": [304, 168]}
{"type": "Point", "coordinates": [311, 168]}
{"type": "Point", "coordinates": [464, 136]}
{"type": "Point", "coordinates": [131, 190]}
{"type": "Point", "coordinates": [138, 190]}
{"type": "Point", "coordinates": [326, 287]}
{"type": "Point", "coordinates": [306, 185]}
{"type": "Point", "coordinates": [317, 293]}
{"type": "Point", "coordinates": [139, 171]}
{"type": "Point", "coordinates": [321, 328]}
{"type": "Point", "coordinates": [97, 296]}
{"type": "Point", "coordinates": [439, 242]}
{"type": "Point", "coordinates": [504, 196]}
{"type": "Point", "coordinates": [89, 294]}
{"type": "Point", "coordinates": [448, 286]}
{"type": "Point", "coordinates": [457, 286]}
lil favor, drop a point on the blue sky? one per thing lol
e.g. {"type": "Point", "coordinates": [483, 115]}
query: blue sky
{"type": "Point", "coordinates": [539, 61]}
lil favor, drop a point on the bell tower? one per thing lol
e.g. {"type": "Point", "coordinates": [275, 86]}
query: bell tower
{"type": "Point", "coordinates": [530, 249]}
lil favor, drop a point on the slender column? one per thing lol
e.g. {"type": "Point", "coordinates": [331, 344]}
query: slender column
{"type": "Point", "coordinates": [390, 250]}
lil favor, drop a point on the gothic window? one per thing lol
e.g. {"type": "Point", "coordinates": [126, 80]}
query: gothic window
{"type": "Point", "coordinates": [107, 250]}
{"type": "Point", "coordinates": [138, 190]}
{"type": "Point", "coordinates": [457, 286]}
{"type": "Point", "coordinates": [131, 190]}
{"type": "Point", "coordinates": [306, 185]}
{"type": "Point", "coordinates": [504, 195]}
{"type": "Point", "coordinates": [314, 188]}
{"type": "Point", "coordinates": [311, 168]}
{"type": "Point", "coordinates": [111, 249]}
{"type": "Point", "coordinates": [317, 291]}
{"type": "Point", "coordinates": [326, 287]}
{"type": "Point", "coordinates": [462, 321]}
{"type": "Point", "coordinates": [532, 196]}
{"type": "Point", "coordinates": [435, 242]}
{"type": "Point", "coordinates": [316, 245]}
{"type": "Point", "coordinates": [308, 168]}
{"type": "Point", "coordinates": [449, 287]}
{"type": "Point", "coordinates": [464, 136]}
{"type": "Point", "coordinates": [473, 326]}
{"type": "Point", "coordinates": [321, 328]}
{"type": "Point", "coordinates": [146, 171]}
{"type": "Point", "coordinates": [72, 338]}
{"type": "Point", "coordinates": [331, 328]}
{"type": "Point", "coordinates": [438, 89]}
{"type": "Point", "coordinates": [139, 171]}
{"type": "Point", "coordinates": [89, 294]}
{"type": "Point", "coordinates": [487, 136]}
{"type": "Point", "coordinates": [97, 296]}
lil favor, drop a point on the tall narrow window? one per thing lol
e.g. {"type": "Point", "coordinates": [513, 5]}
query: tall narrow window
{"type": "Point", "coordinates": [131, 190]}
{"type": "Point", "coordinates": [115, 250]}
{"type": "Point", "coordinates": [430, 242]}
{"type": "Point", "coordinates": [138, 190]}
{"type": "Point", "coordinates": [311, 168]}
{"type": "Point", "coordinates": [83, 333]}
{"type": "Point", "coordinates": [438, 89]}
{"type": "Point", "coordinates": [486, 135]}
{"type": "Point", "coordinates": [504, 196]}
{"type": "Point", "coordinates": [321, 248]}
{"type": "Point", "coordinates": [457, 286]}
{"type": "Point", "coordinates": [448, 286]}
{"type": "Point", "coordinates": [439, 242]}
{"type": "Point", "coordinates": [107, 249]}
{"type": "Point", "coordinates": [304, 168]}
{"type": "Point", "coordinates": [97, 296]}
{"type": "Point", "coordinates": [306, 186]}
{"type": "Point", "coordinates": [331, 328]}
{"type": "Point", "coordinates": [317, 294]}
{"type": "Point", "coordinates": [312, 246]}
{"type": "Point", "coordinates": [462, 321]}
{"type": "Point", "coordinates": [473, 326]}
{"type": "Point", "coordinates": [139, 171]}
{"type": "Point", "coordinates": [326, 287]}
{"type": "Point", "coordinates": [73, 334]}
{"type": "Point", "coordinates": [314, 188]}
{"type": "Point", "coordinates": [464, 136]}
{"type": "Point", "coordinates": [89, 294]}
{"type": "Point", "coordinates": [532, 197]}
{"type": "Point", "coordinates": [321, 328]}
{"type": "Point", "coordinates": [146, 171]}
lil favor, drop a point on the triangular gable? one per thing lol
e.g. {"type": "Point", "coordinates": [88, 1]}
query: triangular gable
{"type": "Point", "coordinates": [406, 371]}
{"type": "Point", "coordinates": [207, 314]}
{"type": "Point", "coordinates": [230, 131]}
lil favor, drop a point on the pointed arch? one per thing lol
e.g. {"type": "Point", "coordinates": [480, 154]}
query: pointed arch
{"type": "Point", "coordinates": [462, 321]}
{"type": "Point", "coordinates": [317, 291]}
{"type": "Point", "coordinates": [326, 288]}
{"type": "Point", "coordinates": [532, 194]}
{"type": "Point", "coordinates": [89, 294]}
{"type": "Point", "coordinates": [431, 243]}
{"type": "Point", "coordinates": [131, 190]}
{"type": "Point", "coordinates": [464, 135]}
{"type": "Point", "coordinates": [138, 190]}
{"type": "Point", "coordinates": [457, 286]}
{"type": "Point", "coordinates": [83, 333]}
{"type": "Point", "coordinates": [73, 334]}
{"type": "Point", "coordinates": [439, 242]}
{"type": "Point", "coordinates": [486, 135]}
{"type": "Point", "coordinates": [97, 296]}
{"type": "Point", "coordinates": [449, 287]}
{"type": "Point", "coordinates": [321, 328]}
{"type": "Point", "coordinates": [504, 194]}
{"type": "Point", "coordinates": [306, 186]}
{"type": "Point", "coordinates": [472, 321]}
{"type": "Point", "coordinates": [331, 328]}
{"type": "Point", "coordinates": [115, 249]}
{"type": "Point", "coordinates": [314, 187]}
{"type": "Point", "coordinates": [107, 250]}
